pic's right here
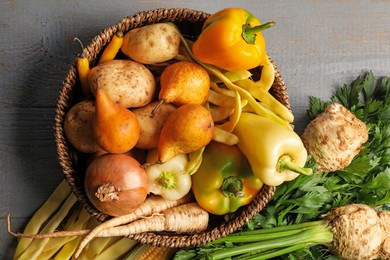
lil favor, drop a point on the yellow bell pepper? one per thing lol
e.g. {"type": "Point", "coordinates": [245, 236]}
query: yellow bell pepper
{"type": "Point", "coordinates": [224, 181]}
{"type": "Point", "coordinates": [231, 39]}
{"type": "Point", "coordinates": [275, 152]}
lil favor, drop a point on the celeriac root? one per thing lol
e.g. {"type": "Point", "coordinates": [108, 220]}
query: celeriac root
{"type": "Point", "coordinates": [334, 138]}
{"type": "Point", "coordinates": [360, 232]}
{"type": "Point", "coordinates": [354, 231]}
{"type": "Point", "coordinates": [385, 217]}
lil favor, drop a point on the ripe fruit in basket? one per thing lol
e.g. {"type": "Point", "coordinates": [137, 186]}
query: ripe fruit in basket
{"type": "Point", "coordinates": [189, 128]}
{"type": "Point", "coordinates": [152, 43]}
{"type": "Point", "coordinates": [126, 82]}
{"type": "Point", "coordinates": [184, 82]}
{"type": "Point", "coordinates": [115, 128]}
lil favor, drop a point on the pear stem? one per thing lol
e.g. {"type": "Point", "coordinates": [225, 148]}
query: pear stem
{"type": "Point", "coordinates": [152, 114]}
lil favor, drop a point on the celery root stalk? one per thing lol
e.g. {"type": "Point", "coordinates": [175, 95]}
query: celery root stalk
{"type": "Point", "coordinates": [355, 231]}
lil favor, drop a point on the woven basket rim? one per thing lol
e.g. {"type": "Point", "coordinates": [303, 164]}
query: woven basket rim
{"type": "Point", "coordinates": [68, 159]}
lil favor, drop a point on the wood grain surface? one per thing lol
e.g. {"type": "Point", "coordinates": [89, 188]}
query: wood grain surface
{"type": "Point", "coordinates": [317, 45]}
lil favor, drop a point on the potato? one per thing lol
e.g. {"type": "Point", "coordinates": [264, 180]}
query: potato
{"type": "Point", "coordinates": [152, 43]}
{"type": "Point", "coordinates": [128, 83]}
{"type": "Point", "coordinates": [151, 125]}
{"type": "Point", "coordinates": [77, 126]}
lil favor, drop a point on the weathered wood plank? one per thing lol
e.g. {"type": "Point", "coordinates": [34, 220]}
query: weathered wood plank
{"type": "Point", "coordinates": [28, 165]}
{"type": "Point", "coordinates": [29, 170]}
{"type": "Point", "coordinates": [317, 45]}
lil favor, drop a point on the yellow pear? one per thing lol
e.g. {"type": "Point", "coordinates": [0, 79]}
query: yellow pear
{"type": "Point", "coordinates": [188, 128]}
{"type": "Point", "coordinates": [184, 82]}
{"type": "Point", "coordinates": [115, 128]}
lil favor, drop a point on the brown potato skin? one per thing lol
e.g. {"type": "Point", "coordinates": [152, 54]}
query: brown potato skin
{"type": "Point", "coordinates": [151, 125]}
{"type": "Point", "coordinates": [77, 126]}
{"type": "Point", "coordinates": [152, 43]}
{"type": "Point", "coordinates": [128, 83]}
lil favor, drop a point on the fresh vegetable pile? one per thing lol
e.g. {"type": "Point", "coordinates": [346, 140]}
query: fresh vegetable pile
{"type": "Point", "coordinates": [326, 214]}
{"type": "Point", "coordinates": [177, 131]}
{"type": "Point", "coordinates": [156, 113]}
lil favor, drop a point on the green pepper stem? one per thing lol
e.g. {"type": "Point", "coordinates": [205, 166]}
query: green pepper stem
{"type": "Point", "coordinates": [249, 33]}
{"type": "Point", "coordinates": [167, 180]}
{"type": "Point", "coordinates": [285, 163]}
{"type": "Point", "coordinates": [232, 187]}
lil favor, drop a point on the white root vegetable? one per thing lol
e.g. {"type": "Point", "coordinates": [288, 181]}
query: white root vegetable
{"type": "Point", "coordinates": [186, 218]}
{"type": "Point", "coordinates": [359, 232]}
{"type": "Point", "coordinates": [334, 138]}
{"type": "Point", "coordinates": [385, 217]}
{"type": "Point", "coordinates": [152, 205]}
{"type": "Point", "coordinates": [354, 231]}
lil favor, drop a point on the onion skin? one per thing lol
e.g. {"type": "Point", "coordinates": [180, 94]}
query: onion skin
{"type": "Point", "coordinates": [116, 184]}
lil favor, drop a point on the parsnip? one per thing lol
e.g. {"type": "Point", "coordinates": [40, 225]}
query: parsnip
{"type": "Point", "coordinates": [152, 205]}
{"type": "Point", "coordinates": [186, 218]}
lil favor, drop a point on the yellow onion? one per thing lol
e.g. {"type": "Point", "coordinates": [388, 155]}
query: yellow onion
{"type": "Point", "coordinates": [116, 184]}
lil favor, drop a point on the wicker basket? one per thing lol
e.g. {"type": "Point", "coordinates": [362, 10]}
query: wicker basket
{"type": "Point", "coordinates": [73, 162]}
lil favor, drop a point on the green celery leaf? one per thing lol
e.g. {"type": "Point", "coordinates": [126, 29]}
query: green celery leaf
{"type": "Point", "coordinates": [382, 90]}
{"type": "Point", "coordinates": [384, 202]}
{"type": "Point", "coordinates": [380, 183]}
{"type": "Point", "coordinates": [266, 220]}
{"type": "Point", "coordinates": [310, 201]}
{"type": "Point", "coordinates": [317, 106]}
{"type": "Point", "coordinates": [361, 165]}
{"type": "Point", "coordinates": [368, 86]}
{"type": "Point", "coordinates": [372, 108]}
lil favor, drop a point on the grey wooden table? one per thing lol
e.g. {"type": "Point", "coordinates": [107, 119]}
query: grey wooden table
{"type": "Point", "coordinates": [317, 45]}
